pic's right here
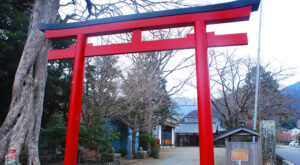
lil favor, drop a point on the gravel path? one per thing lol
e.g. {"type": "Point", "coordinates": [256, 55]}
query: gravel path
{"type": "Point", "coordinates": [181, 156]}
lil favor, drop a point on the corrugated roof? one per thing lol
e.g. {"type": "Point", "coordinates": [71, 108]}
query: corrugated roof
{"type": "Point", "coordinates": [187, 128]}
{"type": "Point", "coordinates": [193, 115]}
{"type": "Point", "coordinates": [191, 128]}
{"type": "Point", "coordinates": [191, 119]}
{"type": "Point", "coordinates": [237, 130]}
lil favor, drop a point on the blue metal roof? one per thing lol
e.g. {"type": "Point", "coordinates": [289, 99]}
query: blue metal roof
{"type": "Point", "coordinates": [186, 128]}
{"type": "Point", "coordinates": [191, 119]}
{"type": "Point", "coordinates": [189, 124]}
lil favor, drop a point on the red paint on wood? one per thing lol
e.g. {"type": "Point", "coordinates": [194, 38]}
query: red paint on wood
{"type": "Point", "coordinates": [136, 36]}
{"type": "Point", "coordinates": [226, 40]}
{"type": "Point", "coordinates": [62, 53]}
{"type": "Point", "coordinates": [231, 15]}
{"type": "Point", "coordinates": [137, 46]}
{"type": "Point", "coordinates": [206, 145]}
{"type": "Point", "coordinates": [75, 102]}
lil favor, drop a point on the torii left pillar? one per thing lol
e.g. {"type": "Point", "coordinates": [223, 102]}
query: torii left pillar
{"type": "Point", "coordinates": [75, 101]}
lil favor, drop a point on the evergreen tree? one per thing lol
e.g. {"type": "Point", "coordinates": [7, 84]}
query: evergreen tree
{"type": "Point", "coordinates": [21, 127]}
{"type": "Point", "coordinates": [271, 102]}
{"type": "Point", "coordinates": [14, 21]}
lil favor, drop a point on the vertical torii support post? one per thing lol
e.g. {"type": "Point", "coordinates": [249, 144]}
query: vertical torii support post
{"type": "Point", "coordinates": [203, 92]}
{"type": "Point", "coordinates": [75, 102]}
{"type": "Point", "coordinates": [198, 17]}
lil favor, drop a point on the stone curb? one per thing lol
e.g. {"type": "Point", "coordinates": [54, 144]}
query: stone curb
{"type": "Point", "coordinates": [285, 162]}
{"type": "Point", "coordinates": [281, 161]}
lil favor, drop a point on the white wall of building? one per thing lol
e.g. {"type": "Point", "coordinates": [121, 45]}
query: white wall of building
{"type": "Point", "coordinates": [159, 133]}
{"type": "Point", "coordinates": [173, 136]}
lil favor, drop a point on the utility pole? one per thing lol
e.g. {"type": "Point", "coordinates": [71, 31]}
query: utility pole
{"type": "Point", "coordinates": [257, 70]}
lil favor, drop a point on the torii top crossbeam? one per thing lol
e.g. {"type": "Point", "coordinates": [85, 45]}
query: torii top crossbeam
{"type": "Point", "coordinates": [198, 17]}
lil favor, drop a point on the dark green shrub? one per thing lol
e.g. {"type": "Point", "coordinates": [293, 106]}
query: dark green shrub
{"type": "Point", "coordinates": [123, 152]}
{"type": "Point", "coordinates": [138, 155]}
{"type": "Point", "coordinates": [144, 141]}
{"type": "Point", "coordinates": [153, 145]}
{"type": "Point", "coordinates": [109, 149]}
{"type": "Point", "coordinates": [98, 135]}
{"type": "Point", "coordinates": [154, 151]}
{"type": "Point", "coordinates": [107, 157]}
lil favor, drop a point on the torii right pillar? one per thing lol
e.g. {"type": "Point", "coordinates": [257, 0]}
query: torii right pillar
{"type": "Point", "coordinates": [203, 40]}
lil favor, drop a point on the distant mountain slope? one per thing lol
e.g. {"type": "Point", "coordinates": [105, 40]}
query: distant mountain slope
{"type": "Point", "coordinates": [187, 105]}
{"type": "Point", "coordinates": [295, 91]}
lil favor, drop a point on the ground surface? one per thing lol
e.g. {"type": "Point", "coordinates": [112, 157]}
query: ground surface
{"type": "Point", "coordinates": [289, 153]}
{"type": "Point", "coordinates": [178, 156]}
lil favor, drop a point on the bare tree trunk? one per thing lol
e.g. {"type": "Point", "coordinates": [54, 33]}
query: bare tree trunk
{"type": "Point", "coordinates": [21, 127]}
{"type": "Point", "coordinates": [133, 140]}
{"type": "Point", "coordinates": [149, 127]}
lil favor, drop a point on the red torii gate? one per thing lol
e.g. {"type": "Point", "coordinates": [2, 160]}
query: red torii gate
{"type": "Point", "coordinates": [198, 17]}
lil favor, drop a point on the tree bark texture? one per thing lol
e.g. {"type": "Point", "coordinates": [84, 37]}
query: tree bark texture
{"type": "Point", "coordinates": [134, 131]}
{"type": "Point", "coordinates": [21, 127]}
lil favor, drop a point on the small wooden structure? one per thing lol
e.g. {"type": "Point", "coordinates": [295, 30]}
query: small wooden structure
{"type": "Point", "coordinates": [241, 151]}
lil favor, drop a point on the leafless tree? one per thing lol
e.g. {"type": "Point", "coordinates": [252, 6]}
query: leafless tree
{"type": "Point", "coordinates": [79, 10]}
{"type": "Point", "coordinates": [146, 100]}
{"type": "Point", "coordinates": [233, 86]}
{"type": "Point", "coordinates": [100, 87]}
{"type": "Point", "coordinates": [143, 94]}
